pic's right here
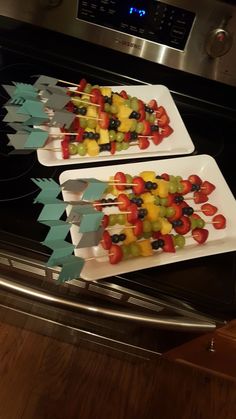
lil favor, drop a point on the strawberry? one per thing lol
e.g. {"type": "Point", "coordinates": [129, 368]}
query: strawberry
{"type": "Point", "coordinates": [143, 143]}
{"type": "Point", "coordinates": [97, 205]}
{"type": "Point", "coordinates": [207, 187]}
{"type": "Point", "coordinates": [96, 94]}
{"type": "Point", "coordinates": [120, 178]}
{"type": "Point", "coordinates": [105, 220]}
{"type": "Point", "coordinates": [163, 120]}
{"type": "Point", "coordinates": [142, 116]}
{"type": "Point", "coordinates": [146, 128]}
{"type": "Point", "coordinates": [187, 186]}
{"type": "Point", "coordinates": [166, 131]}
{"type": "Point", "coordinates": [185, 227]}
{"type": "Point", "coordinates": [124, 94]}
{"type": "Point", "coordinates": [132, 215]}
{"type": "Point", "coordinates": [113, 147]}
{"type": "Point", "coordinates": [177, 214]}
{"type": "Point", "coordinates": [79, 136]}
{"type": "Point", "coordinates": [200, 235]}
{"type": "Point", "coordinates": [195, 180]}
{"type": "Point", "coordinates": [103, 120]}
{"type": "Point", "coordinates": [165, 176]}
{"type": "Point", "coordinates": [123, 201]}
{"type": "Point", "coordinates": [200, 197]}
{"type": "Point", "coordinates": [81, 85]}
{"type": "Point", "coordinates": [160, 111]}
{"type": "Point", "coordinates": [101, 103]}
{"type": "Point", "coordinates": [157, 137]}
{"type": "Point", "coordinates": [127, 137]}
{"type": "Point", "coordinates": [141, 106]}
{"type": "Point", "coordinates": [138, 185]}
{"type": "Point", "coordinates": [219, 221]}
{"type": "Point", "coordinates": [209, 209]}
{"type": "Point", "coordinates": [115, 254]}
{"type": "Point", "coordinates": [152, 104]}
{"type": "Point", "coordinates": [65, 149]}
{"type": "Point", "coordinates": [106, 240]}
{"type": "Point", "coordinates": [168, 243]}
{"type": "Point", "coordinates": [138, 228]}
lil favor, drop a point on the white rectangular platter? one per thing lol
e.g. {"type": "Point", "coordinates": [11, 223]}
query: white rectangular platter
{"type": "Point", "coordinates": [219, 241]}
{"type": "Point", "coordinates": [178, 143]}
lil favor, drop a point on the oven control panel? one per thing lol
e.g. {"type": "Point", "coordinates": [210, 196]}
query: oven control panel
{"type": "Point", "coordinates": [156, 21]}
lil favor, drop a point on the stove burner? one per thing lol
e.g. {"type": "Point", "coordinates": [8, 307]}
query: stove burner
{"type": "Point", "coordinates": [207, 134]}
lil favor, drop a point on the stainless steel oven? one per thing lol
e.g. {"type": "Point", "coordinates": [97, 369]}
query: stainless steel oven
{"type": "Point", "coordinates": [190, 48]}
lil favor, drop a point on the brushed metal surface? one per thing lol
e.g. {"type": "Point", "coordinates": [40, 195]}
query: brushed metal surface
{"type": "Point", "coordinates": [194, 59]}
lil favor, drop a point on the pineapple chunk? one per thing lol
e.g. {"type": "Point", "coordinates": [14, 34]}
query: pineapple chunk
{"type": "Point", "coordinates": [117, 100]}
{"type": "Point", "coordinates": [124, 112]}
{"type": "Point", "coordinates": [92, 111]}
{"type": "Point", "coordinates": [145, 247]}
{"type": "Point", "coordinates": [104, 136]}
{"type": "Point", "coordinates": [106, 91]}
{"type": "Point", "coordinates": [153, 211]}
{"type": "Point", "coordinates": [148, 175]}
{"type": "Point", "coordinates": [92, 148]}
{"type": "Point", "coordinates": [163, 188]}
{"type": "Point", "coordinates": [130, 236]}
{"type": "Point", "coordinates": [125, 125]}
{"type": "Point", "coordinates": [166, 226]}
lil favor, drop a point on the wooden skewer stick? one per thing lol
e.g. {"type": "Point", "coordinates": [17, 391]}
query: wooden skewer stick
{"type": "Point", "coordinates": [85, 102]}
{"type": "Point", "coordinates": [75, 85]}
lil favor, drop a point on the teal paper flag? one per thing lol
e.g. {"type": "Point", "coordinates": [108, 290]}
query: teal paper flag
{"type": "Point", "coordinates": [58, 230]}
{"type": "Point", "coordinates": [61, 249]}
{"type": "Point", "coordinates": [33, 108]}
{"type": "Point", "coordinates": [49, 190]}
{"type": "Point", "coordinates": [71, 268]}
{"type": "Point", "coordinates": [90, 222]}
{"type": "Point", "coordinates": [52, 210]}
{"type": "Point", "coordinates": [36, 139]}
{"type": "Point", "coordinates": [95, 189]}
{"type": "Point", "coordinates": [18, 140]}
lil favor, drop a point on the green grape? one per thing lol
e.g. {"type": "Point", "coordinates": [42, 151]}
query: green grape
{"type": "Point", "coordinates": [147, 226]}
{"type": "Point", "coordinates": [147, 116]}
{"type": "Point", "coordinates": [172, 187]}
{"type": "Point", "coordinates": [157, 200]}
{"type": "Point", "coordinates": [147, 234]}
{"type": "Point", "coordinates": [121, 219]}
{"type": "Point", "coordinates": [113, 109]}
{"type": "Point", "coordinates": [163, 201]}
{"type": "Point", "coordinates": [178, 178]}
{"type": "Point", "coordinates": [120, 136]}
{"type": "Point", "coordinates": [88, 88]}
{"type": "Point", "coordinates": [162, 211]}
{"type": "Point", "coordinates": [179, 240]}
{"type": "Point", "coordinates": [139, 127]}
{"type": "Point", "coordinates": [112, 219]}
{"type": "Point", "coordinates": [200, 223]}
{"type": "Point", "coordinates": [125, 145]}
{"type": "Point", "coordinates": [134, 104]}
{"type": "Point", "coordinates": [92, 123]}
{"type": "Point", "coordinates": [107, 107]}
{"type": "Point", "coordinates": [73, 148]}
{"type": "Point", "coordinates": [112, 135]}
{"type": "Point", "coordinates": [118, 146]}
{"type": "Point", "coordinates": [180, 187]}
{"type": "Point", "coordinates": [170, 211]}
{"type": "Point", "coordinates": [129, 179]}
{"type": "Point", "coordinates": [127, 103]}
{"type": "Point", "coordinates": [126, 251]}
{"type": "Point", "coordinates": [133, 125]}
{"type": "Point", "coordinates": [193, 222]}
{"type": "Point", "coordinates": [172, 178]}
{"type": "Point", "coordinates": [152, 118]}
{"type": "Point", "coordinates": [83, 122]}
{"type": "Point", "coordinates": [156, 225]}
{"type": "Point", "coordinates": [81, 149]}
{"type": "Point", "coordinates": [135, 249]}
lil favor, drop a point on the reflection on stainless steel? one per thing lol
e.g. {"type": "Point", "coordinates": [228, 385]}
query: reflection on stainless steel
{"type": "Point", "coordinates": [161, 322]}
{"type": "Point", "coordinates": [194, 58]}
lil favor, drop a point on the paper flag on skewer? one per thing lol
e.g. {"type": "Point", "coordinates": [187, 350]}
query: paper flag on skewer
{"type": "Point", "coordinates": [90, 239]}
{"type": "Point", "coordinates": [71, 268]}
{"type": "Point", "coordinates": [52, 210]}
{"type": "Point", "coordinates": [33, 140]}
{"type": "Point", "coordinates": [56, 97]}
{"type": "Point", "coordinates": [61, 249]}
{"type": "Point", "coordinates": [43, 81]}
{"type": "Point", "coordinates": [62, 119]}
{"type": "Point", "coordinates": [13, 115]}
{"type": "Point", "coordinates": [74, 185]}
{"type": "Point", "coordinates": [33, 108]}
{"type": "Point", "coordinates": [94, 190]}
{"type": "Point", "coordinates": [58, 230]}
{"type": "Point", "coordinates": [49, 189]}
{"type": "Point", "coordinates": [20, 92]}
{"type": "Point", "coordinates": [86, 216]}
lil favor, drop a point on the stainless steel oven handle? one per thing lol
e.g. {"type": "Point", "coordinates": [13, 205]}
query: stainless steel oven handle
{"type": "Point", "coordinates": [180, 323]}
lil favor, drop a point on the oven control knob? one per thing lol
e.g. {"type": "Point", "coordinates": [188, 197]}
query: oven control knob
{"type": "Point", "coordinates": [218, 43]}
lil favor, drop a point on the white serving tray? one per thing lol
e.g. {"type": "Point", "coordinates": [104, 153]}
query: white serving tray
{"type": "Point", "coordinates": [178, 143]}
{"type": "Point", "coordinates": [219, 241]}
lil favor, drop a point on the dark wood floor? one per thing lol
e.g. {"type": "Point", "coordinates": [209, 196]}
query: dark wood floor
{"type": "Point", "coordinates": [42, 378]}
